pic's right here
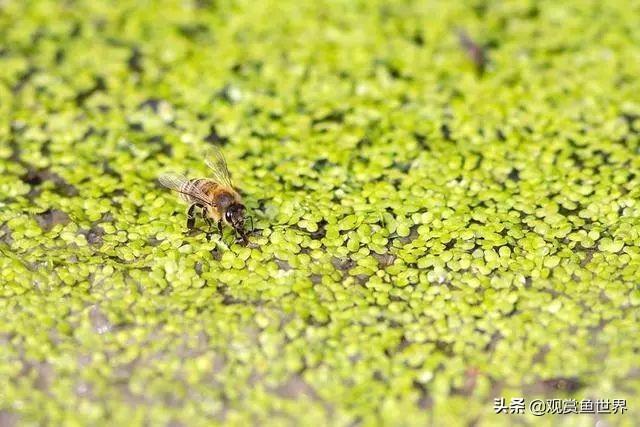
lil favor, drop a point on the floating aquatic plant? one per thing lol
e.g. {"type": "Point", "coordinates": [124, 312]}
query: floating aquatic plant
{"type": "Point", "coordinates": [427, 237]}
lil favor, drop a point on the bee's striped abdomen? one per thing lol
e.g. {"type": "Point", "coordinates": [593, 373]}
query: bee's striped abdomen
{"type": "Point", "coordinates": [196, 186]}
{"type": "Point", "coordinates": [187, 188]}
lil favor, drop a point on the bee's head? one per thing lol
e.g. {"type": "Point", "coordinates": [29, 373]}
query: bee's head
{"type": "Point", "coordinates": [234, 216]}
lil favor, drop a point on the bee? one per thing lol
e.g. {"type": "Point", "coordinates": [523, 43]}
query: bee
{"type": "Point", "coordinates": [216, 196]}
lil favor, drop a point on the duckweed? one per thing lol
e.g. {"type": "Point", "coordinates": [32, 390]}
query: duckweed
{"type": "Point", "coordinates": [428, 234]}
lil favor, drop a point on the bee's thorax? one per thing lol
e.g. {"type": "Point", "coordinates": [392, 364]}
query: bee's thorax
{"type": "Point", "coordinates": [223, 198]}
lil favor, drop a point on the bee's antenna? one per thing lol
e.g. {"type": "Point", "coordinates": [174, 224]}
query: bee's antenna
{"type": "Point", "coordinates": [251, 219]}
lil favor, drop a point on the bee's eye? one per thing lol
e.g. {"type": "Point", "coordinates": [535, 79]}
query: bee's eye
{"type": "Point", "coordinates": [227, 216]}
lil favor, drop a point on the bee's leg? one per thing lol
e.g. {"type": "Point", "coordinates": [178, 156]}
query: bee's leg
{"type": "Point", "coordinates": [207, 219]}
{"type": "Point", "coordinates": [191, 218]}
{"type": "Point", "coordinates": [208, 233]}
{"type": "Point", "coordinates": [251, 219]}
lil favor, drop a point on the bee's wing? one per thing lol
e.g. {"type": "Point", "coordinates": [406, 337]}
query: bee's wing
{"type": "Point", "coordinates": [182, 185]}
{"type": "Point", "coordinates": [218, 165]}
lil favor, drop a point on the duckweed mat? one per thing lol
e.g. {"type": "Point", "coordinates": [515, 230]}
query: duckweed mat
{"type": "Point", "coordinates": [445, 200]}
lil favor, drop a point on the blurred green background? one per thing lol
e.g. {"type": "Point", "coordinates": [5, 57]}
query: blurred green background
{"type": "Point", "coordinates": [431, 233]}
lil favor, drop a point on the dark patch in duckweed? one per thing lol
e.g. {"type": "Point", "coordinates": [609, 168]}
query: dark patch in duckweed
{"type": "Point", "coordinates": [315, 279]}
{"type": "Point", "coordinates": [384, 260]}
{"type": "Point", "coordinates": [9, 418]}
{"type": "Point", "coordinates": [320, 164]}
{"type": "Point", "coordinates": [24, 78]}
{"type": "Point", "coordinates": [154, 241]}
{"type": "Point", "coordinates": [215, 138]}
{"type": "Point", "coordinates": [335, 116]}
{"type": "Point", "coordinates": [514, 175]}
{"type": "Point", "coordinates": [554, 386]}
{"type": "Point", "coordinates": [99, 320]}
{"type": "Point", "coordinates": [134, 63]}
{"type": "Point", "coordinates": [108, 170]}
{"type": "Point", "coordinates": [476, 53]}
{"type": "Point", "coordinates": [194, 32]}
{"type": "Point", "coordinates": [52, 217]}
{"type": "Point", "coordinates": [152, 103]}
{"type": "Point", "coordinates": [98, 86]}
{"type": "Point", "coordinates": [35, 178]}
{"type": "Point", "coordinates": [295, 388]}
{"type": "Point", "coordinates": [94, 235]}
{"type": "Point", "coordinates": [5, 234]}
{"type": "Point", "coordinates": [136, 127]}
{"type": "Point", "coordinates": [321, 232]}
{"type": "Point", "coordinates": [446, 132]}
{"type": "Point", "coordinates": [342, 263]}
{"type": "Point", "coordinates": [283, 265]}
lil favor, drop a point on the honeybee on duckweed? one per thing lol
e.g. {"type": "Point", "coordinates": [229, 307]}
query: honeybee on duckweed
{"type": "Point", "coordinates": [215, 196]}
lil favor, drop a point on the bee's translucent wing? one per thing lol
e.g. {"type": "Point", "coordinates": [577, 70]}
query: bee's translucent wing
{"type": "Point", "coordinates": [173, 181]}
{"type": "Point", "coordinates": [183, 185]}
{"type": "Point", "coordinates": [218, 165]}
